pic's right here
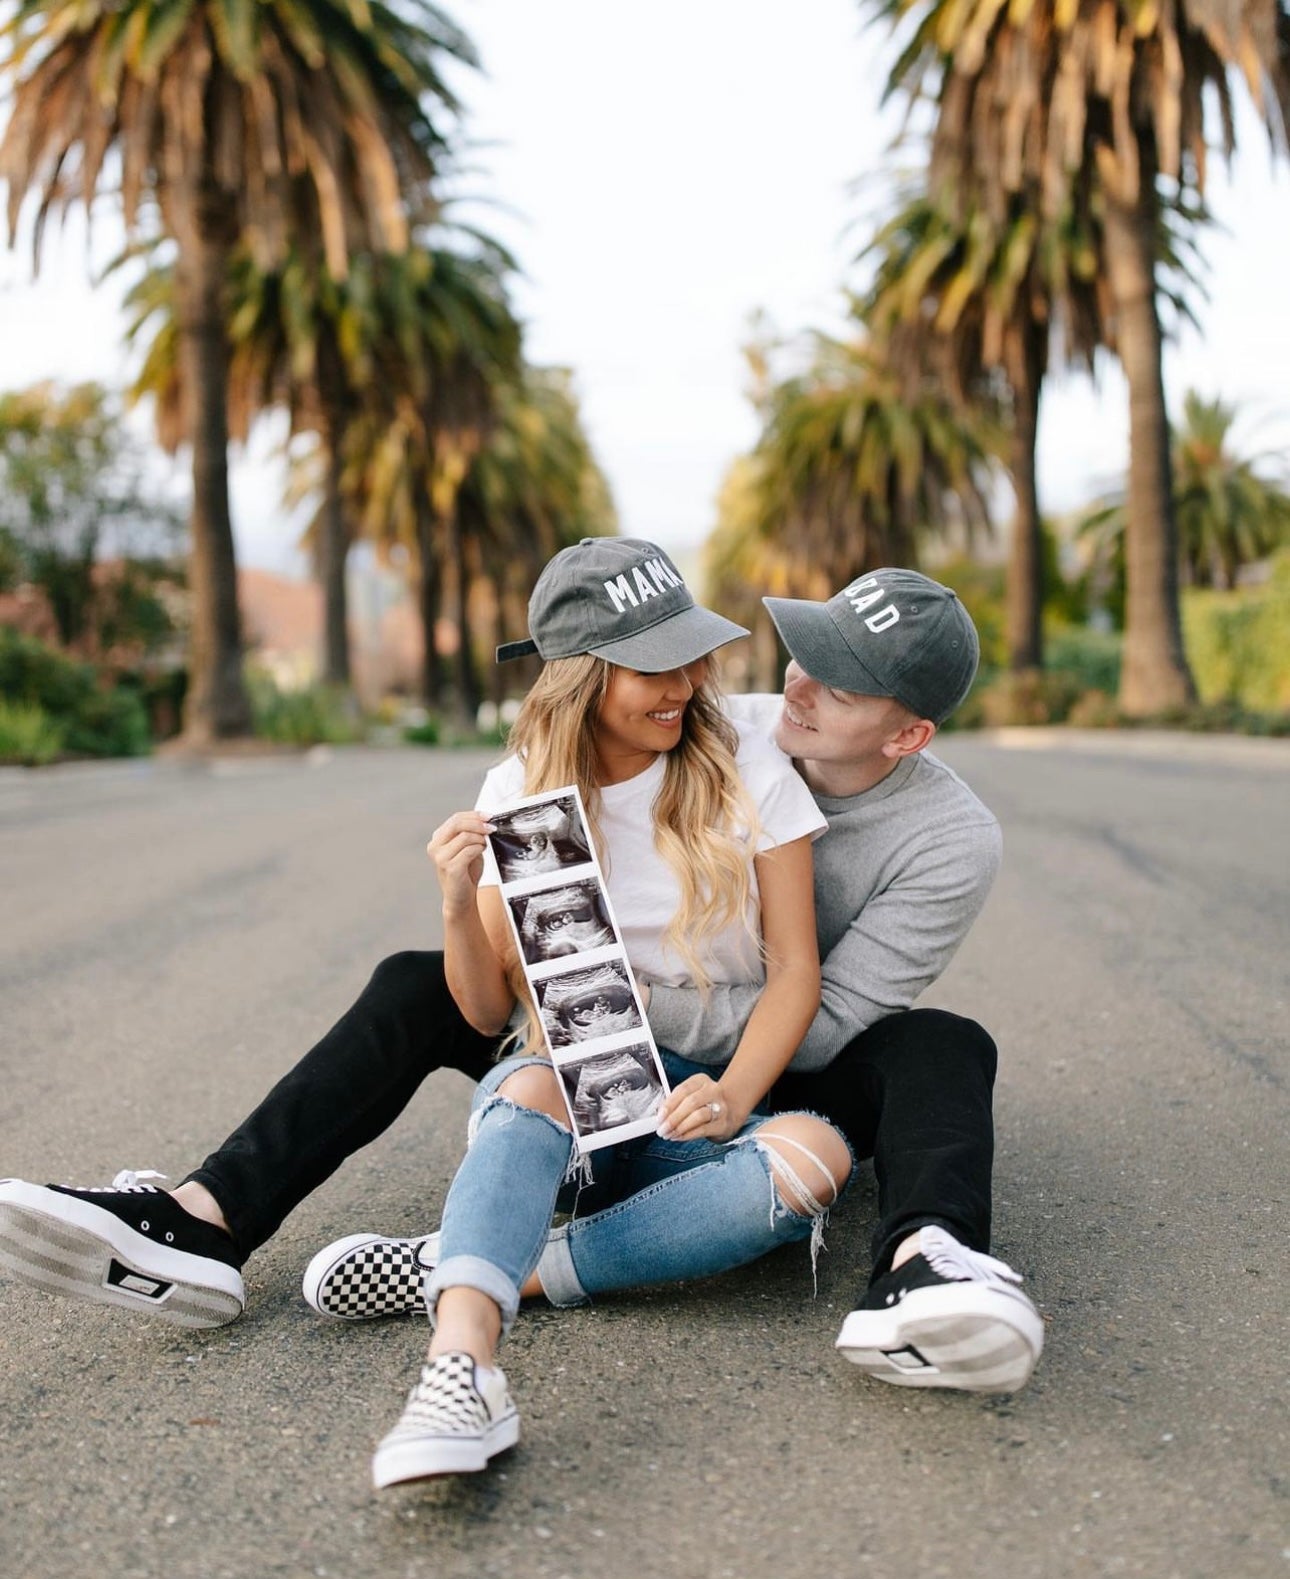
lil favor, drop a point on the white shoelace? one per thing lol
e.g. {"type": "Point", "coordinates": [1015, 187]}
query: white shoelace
{"type": "Point", "coordinates": [945, 1255]}
{"type": "Point", "coordinates": [136, 1180]}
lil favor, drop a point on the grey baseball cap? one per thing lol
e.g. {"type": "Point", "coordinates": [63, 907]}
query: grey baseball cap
{"type": "Point", "coordinates": [622, 599]}
{"type": "Point", "coordinates": [890, 633]}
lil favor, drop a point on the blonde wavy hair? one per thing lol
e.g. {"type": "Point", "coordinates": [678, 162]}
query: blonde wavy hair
{"type": "Point", "coordinates": [705, 824]}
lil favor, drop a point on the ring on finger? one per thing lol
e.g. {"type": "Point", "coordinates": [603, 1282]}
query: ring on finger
{"type": "Point", "coordinates": [715, 1109]}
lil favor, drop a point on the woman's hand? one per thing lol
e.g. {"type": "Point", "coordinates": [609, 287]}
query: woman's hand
{"type": "Point", "coordinates": [457, 849]}
{"type": "Point", "coordinates": [700, 1108]}
{"type": "Point", "coordinates": [476, 943]}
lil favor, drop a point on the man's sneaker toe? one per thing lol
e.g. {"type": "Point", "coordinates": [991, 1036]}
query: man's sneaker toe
{"type": "Point", "coordinates": [949, 1317]}
{"type": "Point", "coordinates": [987, 1351]}
{"type": "Point", "coordinates": [132, 1246]}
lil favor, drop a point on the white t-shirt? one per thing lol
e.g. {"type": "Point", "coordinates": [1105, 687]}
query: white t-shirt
{"type": "Point", "coordinates": [642, 886]}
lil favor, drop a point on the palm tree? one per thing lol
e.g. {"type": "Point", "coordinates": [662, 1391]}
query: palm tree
{"type": "Point", "coordinates": [1101, 99]}
{"type": "Point", "coordinates": [451, 347]}
{"type": "Point", "coordinates": [855, 470]}
{"type": "Point", "coordinates": [972, 297]}
{"type": "Point", "coordinates": [856, 466]}
{"type": "Point", "coordinates": [295, 341]}
{"type": "Point", "coordinates": [219, 113]}
{"type": "Point", "coordinates": [531, 485]}
{"type": "Point", "coordinates": [299, 341]}
{"type": "Point", "coordinates": [741, 564]}
{"type": "Point", "coordinates": [533, 488]}
{"type": "Point", "coordinates": [1230, 513]}
{"type": "Point", "coordinates": [284, 349]}
{"type": "Point", "coordinates": [990, 305]}
{"type": "Point", "coordinates": [337, 355]}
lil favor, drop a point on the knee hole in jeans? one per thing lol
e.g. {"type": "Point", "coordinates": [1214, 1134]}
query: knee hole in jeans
{"type": "Point", "coordinates": [810, 1162]}
{"type": "Point", "coordinates": [535, 1087]}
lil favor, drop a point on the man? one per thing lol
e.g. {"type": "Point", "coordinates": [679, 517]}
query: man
{"type": "Point", "coordinates": [903, 870]}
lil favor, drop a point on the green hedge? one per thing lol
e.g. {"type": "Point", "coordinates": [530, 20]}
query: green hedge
{"type": "Point", "coordinates": [1238, 642]}
{"type": "Point", "coordinates": [90, 721]}
{"type": "Point", "coordinates": [1091, 658]}
{"type": "Point", "coordinates": [309, 717]}
{"type": "Point", "coordinates": [28, 735]}
{"type": "Point", "coordinates": [1238, 646]}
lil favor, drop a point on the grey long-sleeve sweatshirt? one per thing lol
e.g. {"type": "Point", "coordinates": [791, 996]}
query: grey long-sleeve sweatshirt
{"type": "Point", "coordinates": [900, 875]}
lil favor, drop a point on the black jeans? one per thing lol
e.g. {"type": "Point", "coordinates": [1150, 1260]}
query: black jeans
{"type": "Point", "coordinates": [912, 1091]}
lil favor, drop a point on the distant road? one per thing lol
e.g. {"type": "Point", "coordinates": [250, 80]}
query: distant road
{"type": "Point", "coordinates": [174, 937]}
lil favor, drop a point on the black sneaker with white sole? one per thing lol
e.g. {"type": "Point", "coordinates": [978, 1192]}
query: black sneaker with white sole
{"type": "Point", "coordinates": [457, 1417]}
{"type": "Point", "coordinates": [364, 1276]}
{"type": "Point", "coordinates": [128, 1244]}
{"type": "Point", "coordinates": [947, 1317]}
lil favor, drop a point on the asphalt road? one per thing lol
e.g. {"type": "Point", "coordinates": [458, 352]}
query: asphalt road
{"type": "Point", "coordinates": [174, 938]}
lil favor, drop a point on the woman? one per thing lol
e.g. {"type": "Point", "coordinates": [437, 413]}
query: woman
{"type": "Point", "coordinates": [705, 842]}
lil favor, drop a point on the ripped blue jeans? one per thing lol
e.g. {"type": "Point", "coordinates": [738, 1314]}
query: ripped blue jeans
{"type": "Point", "coordinates": [645, 1211]}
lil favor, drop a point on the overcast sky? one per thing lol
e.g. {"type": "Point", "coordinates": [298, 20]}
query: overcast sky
{"type": "Point", "coordinates": [662, 172]}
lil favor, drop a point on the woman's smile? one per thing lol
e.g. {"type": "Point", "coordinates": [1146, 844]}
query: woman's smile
{"type": "Point", "coordinates": [642, 715]}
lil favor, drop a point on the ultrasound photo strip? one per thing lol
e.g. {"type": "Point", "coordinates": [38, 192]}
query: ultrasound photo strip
{"type": "Point", "coordinates": [577, 969]}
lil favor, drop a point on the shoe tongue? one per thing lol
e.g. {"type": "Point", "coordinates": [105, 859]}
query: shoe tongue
{"type": "Point", "coordinates": [918, 1272]}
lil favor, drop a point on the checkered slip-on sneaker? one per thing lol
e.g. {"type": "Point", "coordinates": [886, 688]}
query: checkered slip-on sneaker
{"type": "Point", "coordinates": [129, 1244]}
{"type": "Point", "coordinates": [947, 1317]}
{"type": "Point", "coordinates": [456, 1418]}
{"type": "Point", "coordinates": [367, 1275]}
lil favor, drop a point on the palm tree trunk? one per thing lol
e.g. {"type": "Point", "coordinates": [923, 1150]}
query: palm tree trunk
{"type": "Point", "coordinates": [497, 688]}
{"type": "Point", "coordinates": [467, 688]}
{"type": "Point", "coordinates": [334, 535]}
{"type": "Point", "coordinates": [900, 547]}
{"type": "Point", "coordinates": [216, 705]}
{"type": "Point", "coordinates": [333, 552]}
{"type": "Point", "coordinates": [767, 666]}
{"type": "Point", "coordinates": [429, 594]}
{"type": "Point", "coordinates": [1025, 580]}
{"type": "Point", "coordinates": [1155, 676]}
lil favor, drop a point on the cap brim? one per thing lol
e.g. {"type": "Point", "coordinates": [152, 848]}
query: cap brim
{"type": "Point", "coordinates": [672, 643]}
{"type": "Point", "coordinates": [808, 631]}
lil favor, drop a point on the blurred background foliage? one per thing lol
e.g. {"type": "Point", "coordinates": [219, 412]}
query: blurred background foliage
{"type": "Point", "coordinates": [271, 271]}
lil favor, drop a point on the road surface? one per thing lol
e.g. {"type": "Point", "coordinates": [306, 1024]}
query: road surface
{"type": "Point", "coordinates": [174, 937]}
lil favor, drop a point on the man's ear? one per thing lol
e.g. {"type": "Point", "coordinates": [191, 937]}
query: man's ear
{"type": "Point", "coordinates": [912, 737]}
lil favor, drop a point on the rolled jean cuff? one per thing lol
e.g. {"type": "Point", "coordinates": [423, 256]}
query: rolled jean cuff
{"type": "Point", "coordinates": [473, 1272]}
{"type": "Point", "coordinates": [556, 1271]}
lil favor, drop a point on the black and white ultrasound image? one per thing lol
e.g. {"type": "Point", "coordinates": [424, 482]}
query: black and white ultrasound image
{"type": "Point", "coordinates": [585, 1004]}
{"type": "Point", "coordinates": [557, 922]}
{"type": "Point", "coordinates": [536, 840]}
{"type": "Point", "coordinates": [609, 1090]}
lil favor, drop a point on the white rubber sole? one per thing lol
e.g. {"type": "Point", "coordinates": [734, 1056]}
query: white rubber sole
{"type": "Point", "coordinates": [976, 1337]}
{"type": "Point", "coordinates": [425, 1458]}
{"type": "Point", "coordinates": [69, 1246]}
{"type": "Point", "coordinates": [327, 1269]}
